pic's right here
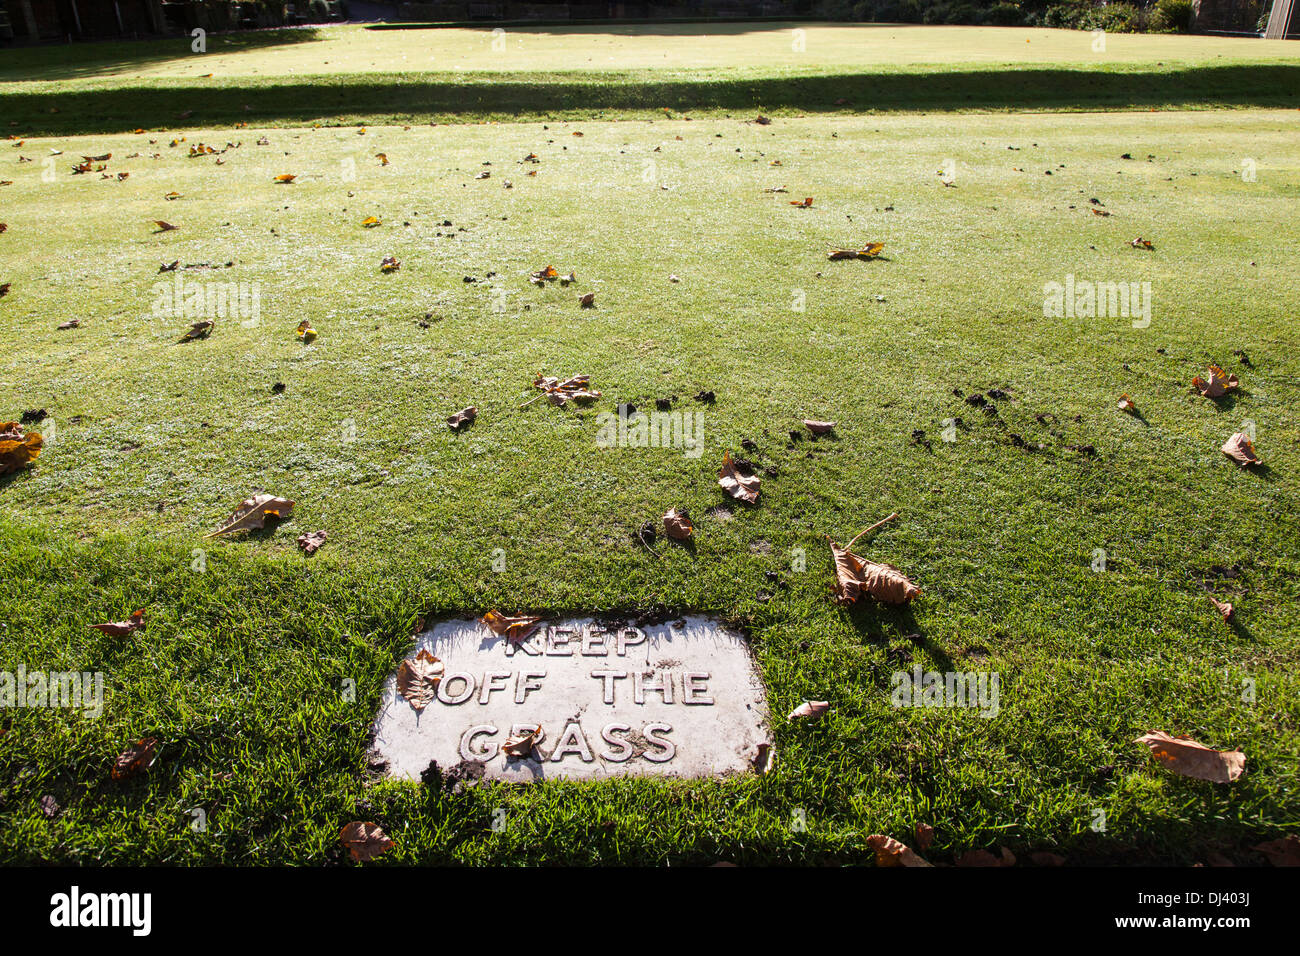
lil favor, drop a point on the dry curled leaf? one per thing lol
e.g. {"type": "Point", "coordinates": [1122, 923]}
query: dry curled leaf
{"type": "Point", "coordinates": [418, 679]}
{"type": "Point", "coordinates": [1241, 450]}
{"type": "Point", "coordinates": [286, 178]}
{"type": "Point", "coordinates": [522, 745]}
{"type": "Point", "coordinates": [305, 331]}
{"type": "Point", "coordinates": [312, 540]}
{"type": "Point", "coordinates": [1140, 243]}
{"type": "Point", "coordinates": [587, 301]}
{"type": "Point", "coordinates": [870, 251]}
{"type": "Point", "coordinates": [816, 427]}
{"type": "Point", "coordinates": [462, 418]}
{"type": "Point", "coordinates": [18, 448]}
{"type": "Point", "coordinates": [1222, 607]}
{"type": "Point", "coordinates": [810, 708]}
{"type": "Point", "coordinates": [514, 629]}
{"type": "Point", "coordinates": [677, 524]}
{"type": "Point", "coordinates": [122, 628]}
{"type": "Point", "coordinates": [1186, 757]}
{"type": "Point", "coordinates": [389, 264]}
{"type": "Point", "coordinates": [163, 225]}
{"type": "Point", "coordinates": [371, 221]}
{"type": "Point", "coordinates": [854, 575]}
{"type": "Point", "coordinates": [364, 841]}
{"type": "Point", "coordinates": [740, 486]}
{"type": "Point", "coordinates": [890, 852]}
{"type": "Point", "coordinates": [577, 388]}
{"type": "Point", "coordinates": [1125, 404]}
{"type": "Point", "coordinates": [137, 758]}
{"type": "Point", "coordinates": [1220, 383]}
{"type": "Point", "coordinates": [805, 203]}
{"type": "Point", "coordinates": [253, 512]}
{"type": "Point", "coordinates": [198, 330]}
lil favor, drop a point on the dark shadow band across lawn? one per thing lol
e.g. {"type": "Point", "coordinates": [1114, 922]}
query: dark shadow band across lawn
{"type": "Point", "coordinates": [111, 108]}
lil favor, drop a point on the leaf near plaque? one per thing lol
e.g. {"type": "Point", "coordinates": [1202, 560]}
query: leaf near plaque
{"type": "Point", "coordinates": [418, 679]}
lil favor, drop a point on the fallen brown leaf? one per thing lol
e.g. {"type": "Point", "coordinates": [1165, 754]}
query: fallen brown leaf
{"type": "Point", "coordinates": [122, 628]}
{"type": "Point", "coordinates": [890, 852]}
{"type": "Point", "coordinates": [576, 388]}
{"type": "Point", "coordinates": [809, 708]}
{"type": "Point", "coordinates": [514, 629]}
{"type": "Point", "coordinates": [462, 418]}
{"type": "Point", "coordinates": [1126, 404]}
{"type": "Point", "coordinates": [522, 745]}
{"type": "Point", "coordinates": [818, 428]}
{"type": "Point", "coordinates": [163, 225]}
{"type": "Point", "coordinates": [1219, 384]}
{"type": "Point", "coordinates": [587, 301]}
{"type": "Point", "coordinates": [253, 512]}
{"type": "Point", "coordinates": [198, 330]}
{"type": "Point", "coordinates": [364, 841]}
{"type": "Point", "coordinates": [677, 525]}
{"type": "Point", "coordinates": [740, 486]}
{"type": "Point", "coordinates": [137, 758]}
{"type": "Point", "coordinates": [418, 679]}
{"type": "Point", "coordinates": [855, 574]}
{"type": "Point", "coordinates": [1222, 607]}
{"type": "Point", "coordinates": [312, 540]}
{"type": "Point", "coordinates": [1241, 450]}
{"type": "Point", "coordinates": [1186, 757]}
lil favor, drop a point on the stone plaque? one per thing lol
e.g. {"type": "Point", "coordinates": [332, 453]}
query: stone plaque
{"type": "Point", "coordinates": [611, 699]}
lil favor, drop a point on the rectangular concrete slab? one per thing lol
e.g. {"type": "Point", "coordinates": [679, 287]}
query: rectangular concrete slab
{"type": "Point", "coordinates": [678, 699]}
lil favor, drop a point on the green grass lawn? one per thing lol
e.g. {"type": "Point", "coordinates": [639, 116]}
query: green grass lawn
{"type": "Point", "coordinates": [248, 642]}
{"type": "Point", "coordinates": [354, 74]}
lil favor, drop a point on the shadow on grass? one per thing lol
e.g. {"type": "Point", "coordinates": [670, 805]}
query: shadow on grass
{"type": "Point", "coordinates": [538, 96]}
{"type": "Point", "coordinates": [87, 60]}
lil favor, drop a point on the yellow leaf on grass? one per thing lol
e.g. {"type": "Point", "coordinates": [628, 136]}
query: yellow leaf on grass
{"type": "Point", "coordinates": [18, 449]}
{"type": "Point", "coordinates": [870, 251]}
{"type": "Point", "coordinates": [1218, 385]}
